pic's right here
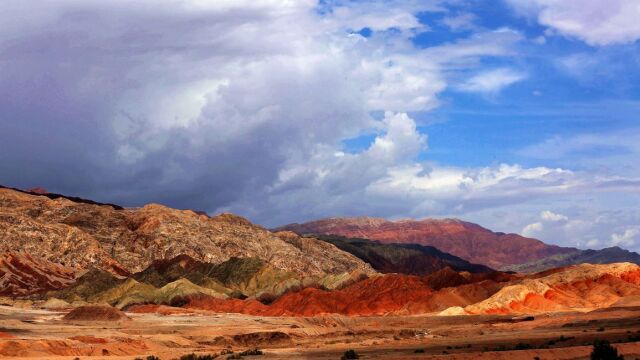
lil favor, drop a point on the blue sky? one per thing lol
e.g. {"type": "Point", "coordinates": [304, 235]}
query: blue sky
{"type": "Point", "coordinates": [521, 115]}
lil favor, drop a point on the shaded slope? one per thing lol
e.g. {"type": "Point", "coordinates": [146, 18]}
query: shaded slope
{"type": "Point", "coordinates": [240, 277]}
{"type": "Point", "coordinates": [170, 281]}
{"type": "Point", "coordinates": [463, 239]}
{"type": "Point", "coordinates": [604, 256]}
{"type": "Point", "coordinates": [88, 285]}
{"type": "Point", "coordinates": [412, 259]}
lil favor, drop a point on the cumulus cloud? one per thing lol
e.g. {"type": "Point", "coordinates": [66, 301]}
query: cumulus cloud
{"type": "Point", "coordinates": [492, 81]}
{"type": "Point", "coordinates": [461, 22]}
{"type": "Point", "coordinates": [581, 224]}
{"type": "Point", "coordinates": [553, 217]}
{"type": "Point", "coordinates": [626, 238]}
{"type": "Point", "coordinates": [533, 229]}
{"type": "Point", "coordinates": [244, 106]}
{"type": "Point", "coordinates": [201, 104]}
{"type": "Point", "coordinates": [593, 21]}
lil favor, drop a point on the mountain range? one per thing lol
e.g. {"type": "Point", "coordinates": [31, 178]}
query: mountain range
{"type": "Point", "coordinates": [60, 251]}
{"type": "Point", "coordinates": [468, 241]}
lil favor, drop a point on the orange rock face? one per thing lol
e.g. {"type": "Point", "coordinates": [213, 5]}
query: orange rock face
{"type": "Point", "coordinates": [583, 287]}
{"type": "Point", "coordinates": [463, 239]}
{"type": "Point", "coordinates": [383, 295]}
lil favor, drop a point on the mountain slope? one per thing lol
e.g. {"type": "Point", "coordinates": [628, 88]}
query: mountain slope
{"type": "Point", "coordinates": [22, 275]}
{"type": "Point", "coordinates": [463, 239]}
{"type": "Point", "coordinates": [603, 256]}
{"type": "Point", "coordinates": [412, 259]}
{"type": "Point", "coordinates": [242, 277]}
{"type": "Point", "coordinates": [578, 288]}
{"type": "Point", "coordinates": [82, 234]}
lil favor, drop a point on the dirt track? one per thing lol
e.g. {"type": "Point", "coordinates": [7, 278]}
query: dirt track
{"type": "Point", "coordinates": [33, 334]}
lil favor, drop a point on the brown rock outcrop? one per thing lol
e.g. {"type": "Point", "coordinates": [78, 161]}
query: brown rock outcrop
{"type": "Point", "coordinates": [95, 313]}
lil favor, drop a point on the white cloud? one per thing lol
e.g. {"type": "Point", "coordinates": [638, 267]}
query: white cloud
{"type": "Point", "coordinates": [553, 217]}
{"type": "Point", "coordinates": [243, 106]}
{"type": "Point", "coordinates": [460, 22]}
{"type": "Point", "coordinates": [605, 153]}
{"type": "Point", "coordinates": [592, 243]}
{"type": "Point", "coordinates": [379, 15]}
{"type": "Point", "coordinates": [594, 21]}
{"type": "Point", "coordinates": [492, 81]}
{"type": "Point", "coordinates": [626, 238]}
{"type": "Point", "coordinates": [533, 229]}
{"type": "Point", "coordinates": [221, 98]}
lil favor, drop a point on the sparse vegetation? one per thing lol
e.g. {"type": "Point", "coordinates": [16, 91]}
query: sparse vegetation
{"type": "Point", "coordinates": [602, 350]}
{"type": "Point", "coordinates": [251, 352]}
{"type": "Point", "coordinates": [198, 357]}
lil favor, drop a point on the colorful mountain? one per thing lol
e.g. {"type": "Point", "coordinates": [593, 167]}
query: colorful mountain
{"type": "Point", "coordinates": [466, 240]}
{"type": "Point", "coordinates": [582, 287]}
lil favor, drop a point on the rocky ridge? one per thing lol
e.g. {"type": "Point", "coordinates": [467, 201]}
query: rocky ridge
{"type": "Point", "coordinates": [82, 235]}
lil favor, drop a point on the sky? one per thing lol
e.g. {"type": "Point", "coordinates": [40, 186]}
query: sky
{"type": "Point", "coordinates": [520, 115]}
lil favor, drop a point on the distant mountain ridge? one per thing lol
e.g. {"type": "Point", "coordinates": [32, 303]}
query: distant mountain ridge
{"type": "Point", "coordinates": [603, 256]}
{"type": "Point", "coordinates": [463, 239]}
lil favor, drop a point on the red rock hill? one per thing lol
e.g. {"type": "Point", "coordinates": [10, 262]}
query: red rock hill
{"type": "Point", "coordinates": [469, 241]}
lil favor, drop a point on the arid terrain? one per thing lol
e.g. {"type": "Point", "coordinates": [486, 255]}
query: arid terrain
{"type": "Point", "coordinates": [84, 279]}
{"type": "Point", "coordinates": [32, 334]}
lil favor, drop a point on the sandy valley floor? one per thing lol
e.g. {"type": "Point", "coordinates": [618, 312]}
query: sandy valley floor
{"type": "Point", "coordinates": [32, 334]}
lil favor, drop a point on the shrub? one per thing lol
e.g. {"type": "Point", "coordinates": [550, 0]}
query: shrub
{"type": "Point", "coordinates": [522, 346]}
{"type": "Point", "coordinates": [251, 352]}
{"type": "Point", "coordinates": [419, 351]}
{"type": "Point", "coordinates": [602, 350]}
{"type": "Point", "coordinates": [350, 354]}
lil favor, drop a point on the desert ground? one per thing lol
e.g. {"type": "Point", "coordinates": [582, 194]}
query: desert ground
{"type": "Point", "coordinates": [168, 334]}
